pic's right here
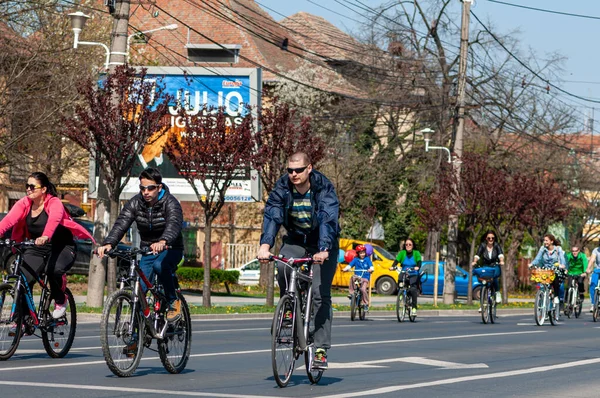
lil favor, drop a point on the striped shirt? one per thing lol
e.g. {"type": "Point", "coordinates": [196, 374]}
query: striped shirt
{"type": "Point", "coordinates": [300, 216]}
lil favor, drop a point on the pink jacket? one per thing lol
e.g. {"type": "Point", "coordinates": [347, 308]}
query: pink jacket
{"type": "Point", "coordinates": [56, 215]}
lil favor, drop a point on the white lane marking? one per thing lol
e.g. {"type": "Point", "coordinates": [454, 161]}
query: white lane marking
{"type": "Point", "coordinates": [411, 360]}
{"type": "Point", "coordinates": [120, 390]}
{"type": "Point", "coordinates": [456, 380]}
{"type": "Point", "coordinates": [465, 336]}
{"type": "Point", "coordinates": [526, 324]}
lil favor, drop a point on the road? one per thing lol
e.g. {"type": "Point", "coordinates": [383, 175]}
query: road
{"type": "Point", "coordinates": [439, 356]}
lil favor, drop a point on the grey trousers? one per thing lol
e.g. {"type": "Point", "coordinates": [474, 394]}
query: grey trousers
{"type": "Point", "coordinates": [322, 279]}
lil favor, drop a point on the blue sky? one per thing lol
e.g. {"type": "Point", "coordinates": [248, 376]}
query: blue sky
{"type": "Point", "coordinates": [572, 37]}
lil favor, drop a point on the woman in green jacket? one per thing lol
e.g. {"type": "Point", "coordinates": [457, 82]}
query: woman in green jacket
{"type": "Point", "coordinates": [410, 260]}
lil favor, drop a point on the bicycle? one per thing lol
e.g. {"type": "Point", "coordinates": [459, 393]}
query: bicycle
{"type": "Point", "coordinates": [15, 295]}
{"type": "Point", "coordinates": [291, 323]}
{"type": "Point", "coordinates": [544, 299]}
{"type": "Point", "coordinates": [486, 276]}
{"type": "Point", "coordinates": [404, 300]}
{"type": "Point", "coordinates": [596, 306]}
{"type": "Point", "coordinates": [131, 319]}
{"type": "Point", "coordinates": [356, 299]}
{"type": "Point", "coordinates": [573, 304]}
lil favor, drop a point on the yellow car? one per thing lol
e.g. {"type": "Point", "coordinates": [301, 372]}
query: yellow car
{"type": "Point", "coordinates": [383, 281]}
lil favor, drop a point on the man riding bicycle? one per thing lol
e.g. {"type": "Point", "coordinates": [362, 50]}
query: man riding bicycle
{"type": "Point", "coordinates": [576, 262]}
{"type": "Point", "coordinates": [305, 203]}
{"type": "Point", "coordinates": [362, 270]}
{"type": "Point", "coordinates": [159, 219]}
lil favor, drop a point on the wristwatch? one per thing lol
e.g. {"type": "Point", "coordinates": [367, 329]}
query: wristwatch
{"type": "Point", "coordinates": [323, 249]}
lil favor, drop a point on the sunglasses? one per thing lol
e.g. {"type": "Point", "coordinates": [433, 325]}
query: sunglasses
{"type": "Point", "coordinates": [298, 170]}
{"type": "Point", "coordinates": [490, 238]}
{"type": "Point", "coordinates": [31, 187]}
{"type": "Point", "coordinates": [149, 188]}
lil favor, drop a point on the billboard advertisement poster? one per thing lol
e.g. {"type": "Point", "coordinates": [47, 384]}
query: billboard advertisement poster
{"type": "Point", "coordinates": [201, 89]}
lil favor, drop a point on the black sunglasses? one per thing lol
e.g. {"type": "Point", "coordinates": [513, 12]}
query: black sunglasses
{"type": "Point", "coordinates": [148, 188]}
{"type": "Point", "coordinates": [31, 187]}
{"type": "Point", "coordinates": [490, 238]}
{"type": "Point", "coordinates": [298, 170]}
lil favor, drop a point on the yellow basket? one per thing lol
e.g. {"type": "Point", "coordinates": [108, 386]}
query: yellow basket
{"type": "Point", "coordinates": [542, 275]}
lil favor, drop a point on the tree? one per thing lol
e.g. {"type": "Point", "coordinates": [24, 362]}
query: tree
{"type": "Point", "coordinates": [211, 152]}
{"type": "Point", "coordinates": [282, 133]}
{"type": "Point", "coordinates": [116, 119]}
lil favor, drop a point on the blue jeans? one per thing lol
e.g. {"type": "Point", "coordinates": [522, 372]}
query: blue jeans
{"type": "Point", "coordinates": [593, 284]}
{"type": "Point", "coordinates": [164, 264]}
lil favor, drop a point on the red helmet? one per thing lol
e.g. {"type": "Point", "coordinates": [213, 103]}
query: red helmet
{"type": "Point", "coordinates": [360, 248]}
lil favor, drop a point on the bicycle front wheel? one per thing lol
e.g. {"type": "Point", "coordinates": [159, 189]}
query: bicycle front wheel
{"type": "Point", "coordinates": [8, 343]}
{"type": "Point", "coordinates": [540, 308]}
{"type": "Point", "coordinates": [58, 334]}
{"type": "Point", "coordinates": [484, 300]}
{"type": "Point", "coordinates": [174, 349]}
{"type": "Point", "coordinates": [401, 306]}
{"type": "Point", "coordinates": [122, 333]}
{"type": "Point", "coordinates": [283, 341]}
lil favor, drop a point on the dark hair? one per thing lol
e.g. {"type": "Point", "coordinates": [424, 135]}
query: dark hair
{"type": "Point", "coordinates": [489, 232]}
{"type": "Point", "coordinates": [411, 241]}
{"type": "Point", "coordinates": [44, 182]}
{"type": "Point", "coordinates": [553, 239]}
{"type": "Point", "coordinates": [150, 173]}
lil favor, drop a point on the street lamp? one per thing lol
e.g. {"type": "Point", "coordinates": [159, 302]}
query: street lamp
{"type": "Point", "coordinates": [145, 32]}
{"type": "Point", "coordinates": [78, 20]}
{"type": "Point", "coordinates": [427, 133]}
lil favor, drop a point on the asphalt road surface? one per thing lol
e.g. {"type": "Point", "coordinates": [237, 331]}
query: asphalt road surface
{"type": "Point", "coordinates": [434, 357]}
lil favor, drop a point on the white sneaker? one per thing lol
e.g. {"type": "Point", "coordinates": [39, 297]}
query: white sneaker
{"type": "Point", "coordinates": [60, 309]}
{"type": "Point", "coordinates": [479, 310]}
{"type": "Point", "coordinates": [556, 300]}
{"type": "Point", "coordinates": [498, 298]}
{"type": "Point", "coordinates": [592, 308]}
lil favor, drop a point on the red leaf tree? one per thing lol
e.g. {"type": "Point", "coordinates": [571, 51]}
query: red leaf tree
{"type": "Point", "coordinates": [210, 153]}
{"type": "Point", "coordinates": [114, 121]}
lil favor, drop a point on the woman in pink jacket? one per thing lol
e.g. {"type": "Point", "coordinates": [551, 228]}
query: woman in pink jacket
{"type": "Point", "coordinates": [42, 216]}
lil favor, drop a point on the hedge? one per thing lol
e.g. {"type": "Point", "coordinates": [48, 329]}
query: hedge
{"type": "Point", "coordinates": [196, 275]}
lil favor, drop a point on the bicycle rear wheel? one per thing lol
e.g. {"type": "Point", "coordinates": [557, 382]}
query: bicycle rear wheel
{"type": "Point", "coordinates": [484, 300]}
{"type": "Point", "coordinates": [174, 349]}
{"type": "Point", "coordinates": [401, 306]}
{"type": "Point", "coordinates": [578, 307]}
{"type": "Point", "coordinates": [9, 344]}
{"type": "Point", "coordinates": [58, 334]}
{"type": "Point", "coordinates": [361, 308]}
{"type": "Point", "coordinates": [283, 341]}
{"type": "Point", "coordinates": [540, 308]}
{"type": "Point", "coordinates": [122, 345]}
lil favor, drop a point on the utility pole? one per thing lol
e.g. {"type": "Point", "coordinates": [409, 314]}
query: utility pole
{"type": "Point", "coordinates": [105, 215]}
{"type": "Point", "coordinates": [451, 260]}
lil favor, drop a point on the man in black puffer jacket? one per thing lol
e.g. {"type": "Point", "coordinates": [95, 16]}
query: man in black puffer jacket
{"type": "Point", "coordinates": [159, 219]}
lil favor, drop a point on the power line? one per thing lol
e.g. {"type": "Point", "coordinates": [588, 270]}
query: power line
{"type": "Point", "coordinates": [545, 10]}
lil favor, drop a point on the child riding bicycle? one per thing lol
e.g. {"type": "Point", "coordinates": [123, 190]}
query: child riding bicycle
{"type": "Point", "coordinates": [362, 270]}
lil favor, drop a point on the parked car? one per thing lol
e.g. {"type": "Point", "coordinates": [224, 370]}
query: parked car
{"type": "Point", "coordinates": [461, 280]}
{"type": "Point", "coordinates": [249, 273]}
{"type": "Point", "coordinates": [383, 281]}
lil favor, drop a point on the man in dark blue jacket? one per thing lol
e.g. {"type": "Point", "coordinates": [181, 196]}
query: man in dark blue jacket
{"type": "Point", "coordinates": [305, 203]}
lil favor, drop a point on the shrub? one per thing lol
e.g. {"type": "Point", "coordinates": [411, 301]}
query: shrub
{"type": "Point", "coordinates": [196, 275]}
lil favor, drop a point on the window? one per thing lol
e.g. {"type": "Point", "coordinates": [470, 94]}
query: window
{"type": "Point", "coordinates": [214, 53]}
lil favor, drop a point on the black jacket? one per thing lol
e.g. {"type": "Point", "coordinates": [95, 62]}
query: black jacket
{"type": "Point", "coordinates": [161, 221]}
{"type": "Point", "coordinates": [325, 228]}
{"type": "Point", "coordinates": [484, 255]}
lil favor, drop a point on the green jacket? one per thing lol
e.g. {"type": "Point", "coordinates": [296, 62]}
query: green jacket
{"type": "Point", "coordinates": [576, 266]}
{"type": "Point", "coordinates": [402, 255]}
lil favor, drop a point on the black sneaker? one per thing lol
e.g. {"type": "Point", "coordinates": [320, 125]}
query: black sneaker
{"type": "Point", "coordinates": [320, 359]}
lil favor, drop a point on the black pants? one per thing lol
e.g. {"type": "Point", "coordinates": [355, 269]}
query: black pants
{"type": "Point", "coordinates": [413, 288]}
{"type": "Point", "coordinates": [321, 283]}
{"type": "Point", "coordinates": [580, 286]}
{"type": "Point", "coordinates": [60, 259]}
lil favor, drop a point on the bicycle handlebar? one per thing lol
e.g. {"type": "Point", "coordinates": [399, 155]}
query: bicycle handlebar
{"type": "Point", "coordinates": [128, 253]}
{"type": "Point", "coordinates": [292, 261]}
{"type": "Point", "coordinates": [14, 243]}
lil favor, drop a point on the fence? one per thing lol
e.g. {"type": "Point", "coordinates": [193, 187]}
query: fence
{"type": "Point", "coordinates": [239, 254]}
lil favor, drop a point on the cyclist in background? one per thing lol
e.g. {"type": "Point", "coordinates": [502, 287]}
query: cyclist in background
{"type": "Point", "coordinates": [549, 255]}
{"type": "Point", "coordinates": [159, 219]}
{"type": "Point", "coordinates": [576, 261]}
{"type": "Point", "coordinates": [363, 266]}
{"type": "Point", "coordinates": [594, 269]}
{"type": "Point", "coordinates": [490, 253]}
{"type": "Point", "coordinates": [305, 203]}
{"type": "Point", "coordinates": [410, 260]}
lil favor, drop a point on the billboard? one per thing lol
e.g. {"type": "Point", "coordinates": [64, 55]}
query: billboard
{"type": "Point", "coordinates": [200, 88]}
